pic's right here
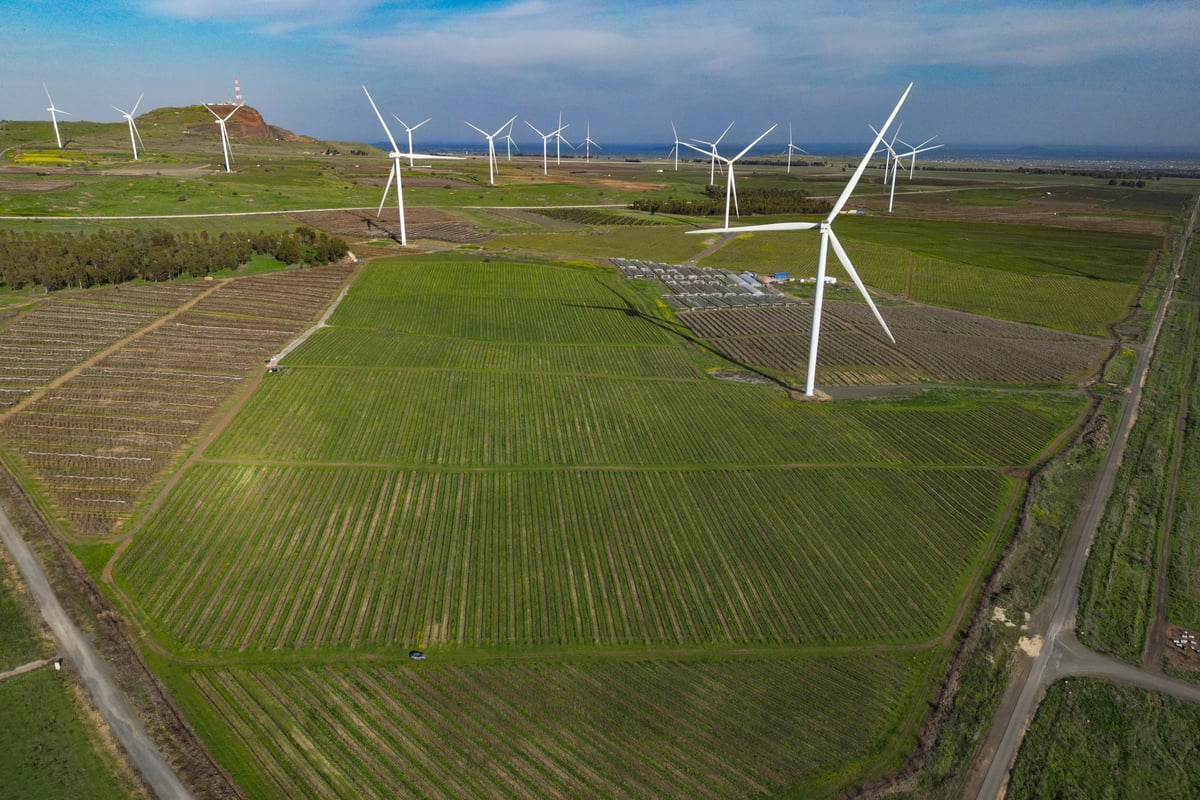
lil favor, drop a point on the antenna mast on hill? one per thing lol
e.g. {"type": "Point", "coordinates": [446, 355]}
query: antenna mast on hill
{"type": "Point", "coordinates": [237, 93]}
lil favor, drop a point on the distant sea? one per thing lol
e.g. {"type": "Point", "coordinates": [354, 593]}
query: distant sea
{"type": "Point", "coordinates": [1085, 157]}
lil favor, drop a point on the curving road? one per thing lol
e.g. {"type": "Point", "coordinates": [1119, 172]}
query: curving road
{"type": "Point", "coordinates": [113, 706]}
{"type": "Point", "coordinates": [1061, 655]}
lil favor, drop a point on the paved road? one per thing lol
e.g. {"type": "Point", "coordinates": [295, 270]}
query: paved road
{"type": "Point", "coordinates": [1061, 655]}
{"type": "Point", "coordinates": [108, 698]}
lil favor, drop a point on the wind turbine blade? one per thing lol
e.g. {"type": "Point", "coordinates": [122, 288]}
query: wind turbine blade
{"type": "Point", "coordinates": [505, 125]}
{"type": "Point", "coordinates": [133, 126]}
{"type": "Point", "coordinates": [697, 149]}
{"type": "Point", "coordinates": [215, 114]}
{"type": "Point", "coordinates": [722, 136]}
{"type": "Point", "coordinates": [395, 149]}
{"type": "Point", "coordinates": [769, 226]}
{"type": "Point", "coordinates": [862, 165]}
{"type": "Point", "coordinates": [419, 124]}
{"type": "Point", "coordinates": [138, 103]}
{"type": "Point", "coordinates": [386, 189]}
{"type": "Point", "coordinates": [535, 130]}
{"type": "Point", "coordinates": [845, 259]}
{"type": "Point", "coordinates": [481, 130]}
{"type": "Point", "coordinates": [747, 148]}
{"type": "Point", "coordinates": [231, 113]}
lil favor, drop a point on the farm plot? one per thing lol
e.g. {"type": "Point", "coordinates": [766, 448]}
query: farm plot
{"type": "Point", "coordinates": [290, 558]}
{"type": "Point", "coordinates": [421, 223]}
{"type": "Point", "coordinates": [1068, 303]}
{"type": "Point", "coordinates": [350, 347]}
{"type": "Point", "coordinates": [97, 441]}
{"type": "Point", "coordinates": [56, 335]}
{"type": "Point", "coordinates": [457, 418]}
{"type": "Point", "coordinates": [932, 344]}
{"type": "Point", "coordinates": [595, 730]}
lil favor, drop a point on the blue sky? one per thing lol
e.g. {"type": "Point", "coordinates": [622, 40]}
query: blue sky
{"type": "Point", "coordinates": [1103, 73]}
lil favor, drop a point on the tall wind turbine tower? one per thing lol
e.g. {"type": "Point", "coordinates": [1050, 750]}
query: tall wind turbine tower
{"type": "Point", "coordinates": [54, 119]}
{"type": "Point", "coordinates": [134, 136]}
{"type": "Point", "coordinates": [224, 131]}
{"type": "Point", "coordinates": [829, 239]}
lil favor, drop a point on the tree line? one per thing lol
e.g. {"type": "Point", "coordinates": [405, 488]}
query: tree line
{"type": "Point", "coordinates": [64, 260]}
{"type": "Point", "coordinates": [750, 201]}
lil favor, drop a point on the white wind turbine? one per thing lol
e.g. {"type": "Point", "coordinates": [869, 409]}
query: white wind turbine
{"type": "Point", "coordinates": [675, 150]}
{"type": "Point", "coordinates": [510, 143]}
{"type": "Point", "coordinates": [409, 131]}
{"type": "Point", "coordinates": [224, 132]}
{"type": "Point", "coordinates": [134, 136]}
{"type": "Point", "coordinates": [829, 239]}
{"type": "Point", "coordinates": [559, 139]}
{"type": "Point", "coordinates": [791, 148]}
{"type": "Point", "coordinates": [912, 154]}
{"type": "Point", "coordinates": [546, 137]}
{"type": "Point", "coordinates": [588, 142]}
{"type": "Point", "coordinates": [712, 170]}
{"type": "Point", "coordinates": [896, 157]}
{"type": "Point", "coordinates": [54, 119]}
{"type": "Point", "coordinates": [491, 137]}
{"type": "Point", "coordinates": [730, 183]}
{"type": "Point", "coordinates": [396, 155]}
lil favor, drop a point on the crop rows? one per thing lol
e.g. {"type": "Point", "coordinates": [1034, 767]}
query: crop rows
{"type": "Point", "coordinates": [296, 294]}
{"type": "Point", "coordinates": [278, 557]}
{"type": "Point", "coordinates": [500, 319]}
{"type": "Point", "coordinates": [931, 344]}
{"type": "Point", "coordinates": [356, 347]}
{"type": "Point", "coordinates": [55, 336]}
{"type": "Point", "coordinates": [598, 730]}
{"type": "Point", "coordinates": [98, 440]}
{"type": "Point", "coordinates": [496, 279]}
{"type": "Point", "coordinates": [1074, 304]}
{"type": "Point", "coordinates": [439, 417]}
{"type": "Point", "coordinates": [594, 216]}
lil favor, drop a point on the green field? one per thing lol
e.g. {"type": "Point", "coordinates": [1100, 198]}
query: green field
{"type": "Point", "coordinates": [521, 468]}
{"type": "Point", "coordinates": [1092, 739]}
{"type": "Point", "coordinates": [48, 743]}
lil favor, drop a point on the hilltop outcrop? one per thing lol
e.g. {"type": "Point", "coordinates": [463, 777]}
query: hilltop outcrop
{"type": "Point", "coordinates": [247, 123]}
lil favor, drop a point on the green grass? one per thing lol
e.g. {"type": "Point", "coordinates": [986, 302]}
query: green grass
{"type": "Point", "coordinates": [1092, 739]}
{"type": "Point", "coordinates": [46, 748]}
{"type": "Point", "coordinates": [1117, 594]}
{"type": "Point", "coordinates": [587, 729]}
{"type": "Point", "coordinates": [1053, 299]}
{"type": "Point", "coordinates": [520, 467]}
{"type": "Point", "coordinates": [49, 746]}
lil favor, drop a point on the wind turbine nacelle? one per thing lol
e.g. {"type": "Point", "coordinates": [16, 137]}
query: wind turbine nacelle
{"type": "Point", "coordinates": [396, 154]}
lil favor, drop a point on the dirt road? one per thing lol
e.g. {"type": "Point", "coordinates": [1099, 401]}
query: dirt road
{"type": "Point", "coordinates": [1053, 623]}
{"type": "Point", "coordinates": [75, 648]}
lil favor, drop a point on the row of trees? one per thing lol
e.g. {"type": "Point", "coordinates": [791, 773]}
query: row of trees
{"type": "Point", "coordinates": [63, 260]}
{"type": "Point", "coordinates": [750, 201]}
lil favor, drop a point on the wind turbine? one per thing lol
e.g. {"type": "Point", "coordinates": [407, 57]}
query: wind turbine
{"type": "Point", "coordinates": [410, 130]}
{"type": "Point", "coordinates": [791, 148]}
{"type": "Point", "coordinates": [492, 147]}
{"type": "Point", "coordinates": [510, 144]}
{"type": "Point", "coordinates": [224, 133]}
{"type": "Point", "coordinates": [559, 139]}
{"type": "Point", "coordinates": [395, 155]}
{"type": "Point", "coordinates": [134, 136]}
{"type": "Point", "coordinates": [730, 184]}
{"type": "Point", "coordinates": [675, 150]}
{"type": "Point", "coordinates": [546, 137]}
{"type": "Point", "coordinates": [829, 239]}
{"type": "Point", "coordinates": [896, 157]}
{"type": "Point", "coordinates": [53, 118]}
{"type": "Point", "coordinates": [912, 154]}
{"type": "Point", "coordinates": [712, 170]}
{"type": "Point", "coordinates": [588, 142]}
